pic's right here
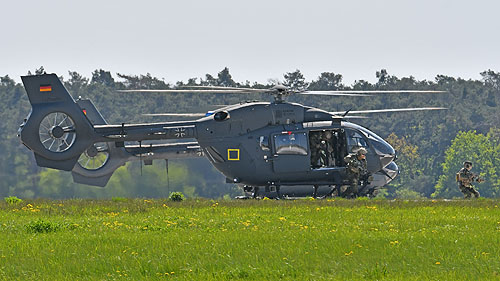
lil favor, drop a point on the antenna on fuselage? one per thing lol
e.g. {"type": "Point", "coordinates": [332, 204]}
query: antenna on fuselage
{"type": "Point", "coordinates": [347, 112]}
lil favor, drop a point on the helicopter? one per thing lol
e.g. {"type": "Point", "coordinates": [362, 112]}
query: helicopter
{"type": "Point", "coordinates": [253, 144]}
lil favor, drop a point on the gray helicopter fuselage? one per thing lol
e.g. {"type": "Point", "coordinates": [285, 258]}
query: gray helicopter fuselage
{"type": "Point", "coordinates": [262, 144]}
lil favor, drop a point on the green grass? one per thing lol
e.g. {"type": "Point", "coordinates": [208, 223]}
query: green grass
{"type": "Point", "coordinates": [137, 239]}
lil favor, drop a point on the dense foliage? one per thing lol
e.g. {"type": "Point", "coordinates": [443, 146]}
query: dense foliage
{"type": "Point", "coordinates": [421, 138]}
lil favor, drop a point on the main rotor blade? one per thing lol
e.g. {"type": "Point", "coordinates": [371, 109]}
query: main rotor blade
{"type": "Point", "coordinates": [176, 114]}
{"type": "Point", "coordinates": [229, 89]}
{"type": "Point", "coordinates": [215, 91]}
{"type": "Point", "coordinates": [334, 93]}
{"type": "Point", "coordinates": [368, 92]}
{"type": "Point", "coordinates": [389, 110]}
{"type": "Point", "coordinates": [351, 117]}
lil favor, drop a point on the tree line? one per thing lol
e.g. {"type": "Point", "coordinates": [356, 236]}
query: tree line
{"type": "Point", "coordinates": [430, 145]}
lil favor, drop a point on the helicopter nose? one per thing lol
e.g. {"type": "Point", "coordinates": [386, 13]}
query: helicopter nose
{"type": "Point", "coordinates": [386, 159]}
{"type": "Point", "coordinates": [392, 170]}
{"type": "Point", "coordinates": [385, 152]}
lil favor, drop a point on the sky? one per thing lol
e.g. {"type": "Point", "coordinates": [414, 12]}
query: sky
{"type": "Point", "coordinates": [257, 40]}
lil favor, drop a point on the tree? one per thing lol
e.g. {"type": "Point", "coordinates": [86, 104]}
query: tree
{"type": "Point", "coordinates": [407, 155]}
{"type": "Point", "coordinates": [209, 81]}
{"type": "Point", "coordinates": [384, 78]}
{"type": "Point", "coordinates": [102, 77]}
{"type": "Point", "coordinates": [76, 83]}
{"type": "Point", "coordinates": [411, 181]}
{"type": "Point", "coordinates": [492, 79]}
{"type": "Point", "coordinates": [40, 71]}
{"type": "Point", "coordinates": [295, 80]}
{"type": "Point", "coordinates": [143, 82]}
{"type": "Point", "coordinates": [485, 156]}
{"type": "Point", "coordinates": [224, 78]}
{"type": "Point", "coordinates": [7, 82]}
{"type": "Point", "coordinates": [327, 81]}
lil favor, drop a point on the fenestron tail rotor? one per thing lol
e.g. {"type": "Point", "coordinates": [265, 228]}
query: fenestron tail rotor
{"type": "Point", "coordinates": [95, 156]}
{"type": "Point", "coordinates": [57, 132]}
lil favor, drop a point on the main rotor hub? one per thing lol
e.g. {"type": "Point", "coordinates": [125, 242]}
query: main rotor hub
{"type": "Point", "coordinates": [279, 91]}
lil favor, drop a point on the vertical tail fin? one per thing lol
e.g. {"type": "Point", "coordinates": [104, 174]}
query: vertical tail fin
{"type": "Point", "coordinates": [56, 129]}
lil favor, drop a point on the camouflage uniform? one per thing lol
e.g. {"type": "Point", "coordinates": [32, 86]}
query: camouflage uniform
{"type": "Point", "coordinates": [315, 153]}
{"type": "Point", "coordinates": [465, 179]}
{"type": "Point", "coordinates": [356, 168]}
{"type": "Point", "coordinates": [322, 152]}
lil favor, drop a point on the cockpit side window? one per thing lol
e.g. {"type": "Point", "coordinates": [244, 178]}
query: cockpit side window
{"type": "Point", "coordinates": [355, 140]}
{"type": "Point", "coordinates": [264, 143]}
{"type": "Point", "coordinates": [291, 143]}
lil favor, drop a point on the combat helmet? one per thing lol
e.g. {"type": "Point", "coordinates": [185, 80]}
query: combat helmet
{"type": "Point", "coordinates": [361, 151]}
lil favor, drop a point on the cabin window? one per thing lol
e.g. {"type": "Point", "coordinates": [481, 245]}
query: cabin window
{"type": "Point", "coordinates": [264, 143]}
{"type": "Point", "coordinates": [291, 143]}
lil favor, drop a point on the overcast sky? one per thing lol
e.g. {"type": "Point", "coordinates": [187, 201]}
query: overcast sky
{"type": "Point", "coordinates": [257, 39]}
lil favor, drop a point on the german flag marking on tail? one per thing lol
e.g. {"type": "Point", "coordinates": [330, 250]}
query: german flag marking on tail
{"type": "Point", "coordinates": [45, 88]}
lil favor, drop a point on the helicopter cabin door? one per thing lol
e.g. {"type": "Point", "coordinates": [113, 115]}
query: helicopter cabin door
{"type": "Point", "coordinates": [290, 152]}
{"type": "Point", "coordinates": [327, 148]}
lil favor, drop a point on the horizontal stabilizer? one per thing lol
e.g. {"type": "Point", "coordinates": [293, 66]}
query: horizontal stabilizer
{"type": "Point", "coordinates": [95, 181]}
{"type": "Point", "coordinates": [65, 165]}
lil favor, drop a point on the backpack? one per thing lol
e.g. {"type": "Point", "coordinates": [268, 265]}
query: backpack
{"type": "Point", "coordinates": [347, 158]}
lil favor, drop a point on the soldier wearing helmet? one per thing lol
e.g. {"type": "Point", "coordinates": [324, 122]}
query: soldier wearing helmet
{"type": "Point", "coordinates": [356, 168]}
{"type": "Point", "coordinates": [465, 178]}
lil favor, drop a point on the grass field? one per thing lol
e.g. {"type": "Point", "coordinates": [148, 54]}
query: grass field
{"type": "Point", "coordinates": [140, 239]}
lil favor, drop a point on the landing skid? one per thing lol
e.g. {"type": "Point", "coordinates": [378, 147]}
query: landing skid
{"type": "Point", "coordinates": [275, 192]}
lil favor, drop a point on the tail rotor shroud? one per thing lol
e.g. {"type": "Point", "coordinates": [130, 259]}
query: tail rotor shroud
{"type": "Point", "coordinates": [95, 157]}
{"type": "Point", "coordinates": [57, 132]}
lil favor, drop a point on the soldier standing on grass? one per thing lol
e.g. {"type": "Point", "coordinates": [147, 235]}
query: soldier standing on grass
{"type": "Point", "coordinates": [465, 178]}
{"type": "Point", "coordinates": [356, 168]}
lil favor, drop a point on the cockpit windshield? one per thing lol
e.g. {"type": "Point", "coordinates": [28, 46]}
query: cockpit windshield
{"type": "Point", "coordinates": [380, 145]}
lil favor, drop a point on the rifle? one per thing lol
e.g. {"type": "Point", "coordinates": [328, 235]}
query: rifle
{"type": "Point", "coordinates": [474, 177]}
{"type": "Point", "coordinates": [477, 178]}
